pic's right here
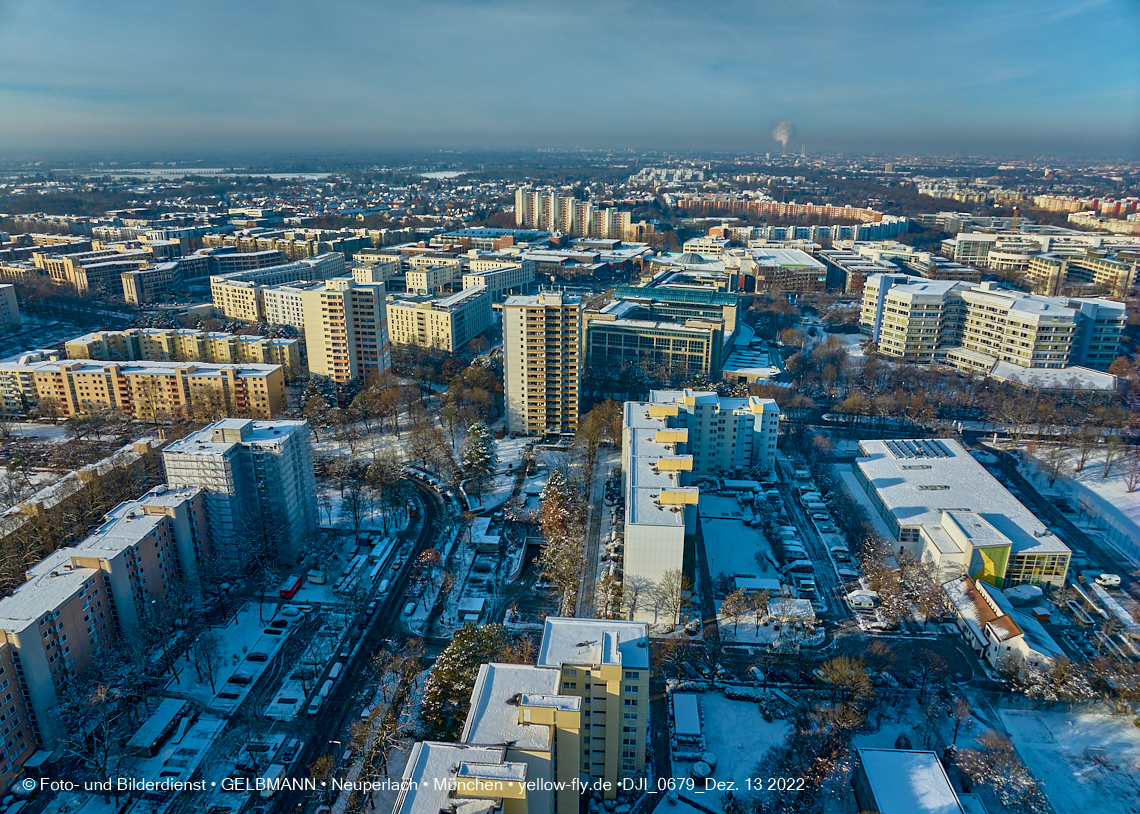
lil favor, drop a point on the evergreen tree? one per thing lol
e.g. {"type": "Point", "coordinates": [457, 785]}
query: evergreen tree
{"type": "Point", "coordinates": [479, 460]}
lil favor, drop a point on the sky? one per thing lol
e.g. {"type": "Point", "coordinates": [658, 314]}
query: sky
{"type": "Point", "coordinates": [993, 77]}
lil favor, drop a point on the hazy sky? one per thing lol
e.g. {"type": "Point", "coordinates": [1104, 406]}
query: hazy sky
{"type": "Point", "coordinates": [1013, 77]}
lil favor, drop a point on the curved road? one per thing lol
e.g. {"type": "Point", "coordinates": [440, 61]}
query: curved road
{"type": "Point", "coordinates": [338, 711]}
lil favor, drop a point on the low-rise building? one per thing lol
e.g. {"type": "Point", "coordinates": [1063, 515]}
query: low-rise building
{"type": "Point", "coordinates": [995, 630]}
{"type": "Point", "coordinates": [945, 508]}
{"type": "Point", "coordinates": [902, 781]}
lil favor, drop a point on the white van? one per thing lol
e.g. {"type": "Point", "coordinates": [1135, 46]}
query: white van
{"type": "Point", "coordinates": [409, 609]}
{"type": "Point", "coordinates": [269, 780]}
{"type": "Point", "coordinates": [335, 672]}
{"type": "Point", "coordinates": [1108, 581]}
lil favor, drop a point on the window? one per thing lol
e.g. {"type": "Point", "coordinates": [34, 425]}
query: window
{"type": "Point", "coordinates": [632, 674]}
{"type": "Point", "coordinates": [569, 685]}
{"type": "Point", "coordinates": [631, 702]}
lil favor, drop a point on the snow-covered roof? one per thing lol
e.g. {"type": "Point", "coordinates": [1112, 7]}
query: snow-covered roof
{"type": "Point", "coordinates": [908, 782]}
{"type": "Point", "coordinates": [919, 480]}
{"type": "Point", "coordinates": [429, 762]}
{"type": "Point", "coordinates": [686, 716]}
{"type": "Point", "coordinates": [594, 642]}
{"type": "Point", "coordinates": [494, 715]}
{"type": "Point", "coordinates": [1065, 378]}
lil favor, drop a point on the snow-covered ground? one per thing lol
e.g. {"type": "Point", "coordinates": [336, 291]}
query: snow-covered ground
{"type": "Point", "coordinates": [242, 635]}
{"type": "Point", "coordinates": [738, 736]}
{"type": "Point", "coordinates": [41, 432]}
{"type": "Point", "coordinates": [1053, 745]}
{"type": "Point", "coordinates": [731, 546]}
{"type": "Point", "coordinates": [1105, 504]}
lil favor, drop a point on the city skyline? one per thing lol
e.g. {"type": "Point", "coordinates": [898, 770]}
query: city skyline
{"type": "Point", "coordinates": [994, 78]}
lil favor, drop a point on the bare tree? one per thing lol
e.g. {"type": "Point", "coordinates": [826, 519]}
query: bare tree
{"type": "Point", "coordinates": [206, 656]}
{"type": "Point", "coordinates": [673, 592]}
{"type": "Point", "coordinates": [1132, 468]}
{"type": "Point", "coordinates": [636, 591]}
{"type": "Point", "coordinates": [1112, 446]}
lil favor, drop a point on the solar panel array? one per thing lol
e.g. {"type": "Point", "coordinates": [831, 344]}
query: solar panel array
{"type": "Point", "coordinates": [918, 448]}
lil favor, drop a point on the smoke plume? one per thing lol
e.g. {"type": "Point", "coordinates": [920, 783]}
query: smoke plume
{"type": "Point", "coordinates": [782, 130]}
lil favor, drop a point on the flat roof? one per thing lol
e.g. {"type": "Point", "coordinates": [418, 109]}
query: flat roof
{"type": "Point", "coordinates": [908, 782]}
{"type": "Point", "coordinates": [494, 714]}
{"type": "Point", "coordinates": [919, 488]}
{"type": "Point", "coordinates": [594, 642]}
{"type": "Point", "coordinates": [431, 761]}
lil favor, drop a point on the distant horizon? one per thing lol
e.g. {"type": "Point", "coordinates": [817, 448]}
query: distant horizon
{"type": "Point", "coordinates": [1000, 78]}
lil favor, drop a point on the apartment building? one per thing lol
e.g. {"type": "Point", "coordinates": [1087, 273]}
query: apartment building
{"type": "Point", "coordinates": [977, 326]}
{"type": "Point", "coordinates": [164, 280]}
{"type": "Point", "coordinates": [186, 345]}
{"type": "Point", "coordinates": [947, 509]}
{"type": "Point", "coordinates": [677, 331]}
{"type": "Point", "coordinates": [448, 323]}
{"type": "Point", "coordinates": [259, 483]}
{"type": "Point", "coordinates": [606, 664]}
{"type": "Point", "coordinates": [10, 319]}
{"type": "Point", "coordinates": [501, 278]}
{"type": "Point", "coordinates": [148, 391]}
{"type": "Point", "coordinates": [240, 295]}
{"type": "Point", "coordinates": [525, 707]}
{"type": "Point", "coordinates": [552, 211]}
{"type": "Point", "coordinates": [542, 338]}
{"type": "Point", "coordinates": [78, 600]}
{"type": "Point", "coordinates": [667, 442]}
{"type": "Point", "coordinates": [346, 330]}
{"type": "Point", "coordinates": [20, 742]}
{"type": "Point", "coordinates": [97, 271]}
{"type": "Point", "coordinates": [379, 271]}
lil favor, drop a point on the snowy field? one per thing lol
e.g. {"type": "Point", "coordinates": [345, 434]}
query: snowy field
{"type": "Point", "coordinates": [246, 633]}
{"type": "Point", "coordinates": [1115, 511]}
{"type": "Point", "coordinates": [1053, 745]}
{"type": "Point", "coordinates": [738, 736]}
{"type": "Point", "coordinates": [731, 546]}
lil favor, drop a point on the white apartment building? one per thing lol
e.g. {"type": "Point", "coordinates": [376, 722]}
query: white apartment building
{"type": "Point", "coordinates": [500, 277]}
{"type": "Point", "coordinates": [675, 437]}
{"type": "Point", "coordinates": [10, 319]}
{"type": "Point", "coordinates": [240, 295]}
{"type": "Point", "coordinates": [978, 326]}
{"type": "Point", "coordinates": [258, 477]}
{"type": "Point", "coordinates": [448, 323]}
{"type": "Point", "coordinates": [542, 342]}
{"type": "Point", "coordinates": [430, 279]}
{"type": "Point", "coordinates": [551, 210]}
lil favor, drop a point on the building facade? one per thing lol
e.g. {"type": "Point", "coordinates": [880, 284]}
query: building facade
{"type": "Point", "coordinates": [446, 323]}
{"type": "Point", "coordinates": [259, 483]}
{"type": "Point", "coordinates": [149, 391]}
{"type": "Point", "coordinates": [186, 345]}
{"type": "Point", "coordinates": [542, 339]}
{"type": "Point", "coordinates": [668, 442]}
{"type": "Point", "coordinates": [976, 326]}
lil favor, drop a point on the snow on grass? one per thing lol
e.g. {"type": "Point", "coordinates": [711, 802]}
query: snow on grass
{"type": "Point", "coordinates": [1112, 509]}
{"type": "Point", "coordinates": [738, 736]}
{"type": "Point", "coordinates": [242, 635]}
{"type": "Point", "coordinates": [1053, 745]}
